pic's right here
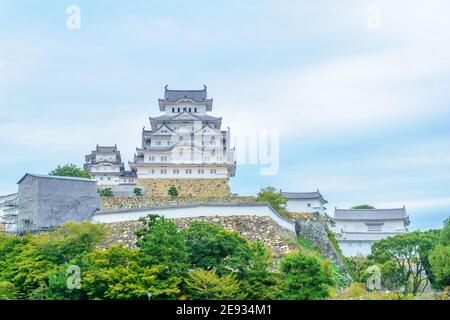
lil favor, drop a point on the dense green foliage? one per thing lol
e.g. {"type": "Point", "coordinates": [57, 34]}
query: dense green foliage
{"type": "Point", "coordinates": [69, 170]}
{"type": "Point", "coordinates": [305, 278]}
{"type": "Point", "coordinates": [207, 285]}
{"type": "Point", "coordinates": [276, 199]}
{"type": "Point", "coordinates": [343, 258]}
{"type": "Point", "coordinates": [202, 261]}
{"type": "Point", "coordinates": [138, 192]}
{"type": "Point", "coordinates": [439, 258]}
{"type": "Point", "coordinates": [359, 266]}
{"type": "Point", "coordinates": [106, 192]}
{"type": "Point", "coordinates": [173, 192]}
{"type": "Point", "coordinates": [212, 247]}
{"type": "Point", "coordinates": [402, 260]}
{"type": "Point", "coordinates": [363, 206]}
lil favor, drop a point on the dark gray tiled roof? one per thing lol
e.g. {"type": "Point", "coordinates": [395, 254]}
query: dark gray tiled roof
{"type": "Point", "coordinates": [304, 195]}
{"type": "Point", "coordinates": [175, 95]}
{"type": "Point", "coordinates": [106, 148]}
{"type": "Point", "coordinates": [171, 96]}
{"type": "Point", "coordinates": [370, 214]}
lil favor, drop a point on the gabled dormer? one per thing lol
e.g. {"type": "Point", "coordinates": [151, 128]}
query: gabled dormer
{"type": "Point", "coordinates": [186, 116]}
{"type": "Point", "coordinates": [164, 130]}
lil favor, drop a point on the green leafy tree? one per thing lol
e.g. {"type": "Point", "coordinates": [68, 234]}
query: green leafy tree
{"type": "Point", "coordinates": [29, 271]}
{"type": "Point", "coordinates": [69, 241]}
{"type": "Point", "coordinates": [363, 206]}
{"type": "Point", "coordinates": [70, 170]}
{"type": "Point", "coordinates": [7, 291]}
{"type": "Point", "coordinates": [162, 243]}
{"type": "Point", "coordinates": [212, 247]}
{"type": "Point", "coordinates": [305, 277]}
{"type": "Point", "coordinates": [120, 273]}
{"type": "Point", "coordinates": [258, 282]}
{"type": "Point", "coordinates": [439, 258]}
{"type": "Point", "coordinates": [401, 261]}
{"type": "Point", "coordinates": [106, 192]}
{"type": "Point", "coordinates": [173, 192]}
{"type": "Point", "coordinates": [276, 199]}
{"type": "Point", "coordinates": [440, 264]}
{"type": "Point", "coordinates": [138, 192]}
{"type": "Point", "coordinates": [29, 262]}
{"type": "Point", "coordinates": [359, 266]}
{"type": "Point", "coordinates": [207, 285]}
{"type": "Point", "coordinates": [58, 289]}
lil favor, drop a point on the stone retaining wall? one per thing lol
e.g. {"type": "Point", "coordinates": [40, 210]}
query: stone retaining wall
{"type": "Point", "coordinates": [278, 239]}
{"type": "Point", "coordinates": [114, 203]}
{"type": "Point", "coordinates": [186, 187]}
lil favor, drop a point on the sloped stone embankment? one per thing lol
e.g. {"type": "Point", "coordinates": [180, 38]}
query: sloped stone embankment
{"type": "Point", "coordinates": [279, 240]}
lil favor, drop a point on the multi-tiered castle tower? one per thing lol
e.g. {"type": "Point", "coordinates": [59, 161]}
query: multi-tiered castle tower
{"type": "Point", "coordinates": [186, 148]}
{"type": "Point", "coordinates": [106, 166]}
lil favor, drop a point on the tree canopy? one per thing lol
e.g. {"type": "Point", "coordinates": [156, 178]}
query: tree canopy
{"type": "Point", "coordinates": [275, 198]}
{"type": "Point", "coordinates": [70, 170]}
{"type": "Point", "coordinates": [363, 206]}
{"type": "Point", "coordinates": [201, 261]}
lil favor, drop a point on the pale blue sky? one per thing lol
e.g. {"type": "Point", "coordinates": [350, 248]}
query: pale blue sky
{"type": "Point", "coordinates": [363, 113]}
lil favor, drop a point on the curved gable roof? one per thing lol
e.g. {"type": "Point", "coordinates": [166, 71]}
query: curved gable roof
{"type": "Point", "coordinates": [196, 96]}
{"type": "Point", "coordinates": [370, 214]}
{"type": "Point", "coordinates": [304, 196]}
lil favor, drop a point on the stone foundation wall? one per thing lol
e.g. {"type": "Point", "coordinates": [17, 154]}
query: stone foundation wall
{"type": "Point", "coordinates": [279, 240]}
{"type": "Point", "coordinates": [186, 187]}
{"type": "Point", "coordinates": [114, 203]}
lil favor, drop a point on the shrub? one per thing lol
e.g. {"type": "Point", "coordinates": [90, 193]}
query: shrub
{"type": "Point", "coordinates": [7, 291]}
{"type": "Point", "coordinates": [305, 277]}
{"type": "Point", "coordinates": [213, 247]}
{"type": "Point", "coordinates": [120, 273]}
{"type": "Point", "coordinates": [363, 206]}
{"type": "Point", "coordinates": [173, 192]}
{"type": "Point", "coordinates": [207, 285]}
{"type": "Point", "coordinates": [138, 192]}
{"type": "Point", "coordinates": [357, 291]}
{"type": "Point", "coordinates": [106, 192]}
{"type": "Point", "coordinates": [70, 170]}
{"type": "Point", "coordinates": [69, 241]}
{"type": "Point", "coordinates": [276, 199]}
{"type": "Point", "coordinates": [358, 267]}
{"type": "Point", "coordinates": [258, 282]}
{"type": "Point", "coordinates": [443, 295]}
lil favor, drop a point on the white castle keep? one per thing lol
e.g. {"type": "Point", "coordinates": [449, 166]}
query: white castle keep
{"type": "Point", "coordinates": [185, 142]}
{"type": "Point", "coordinates": [185, 147]}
